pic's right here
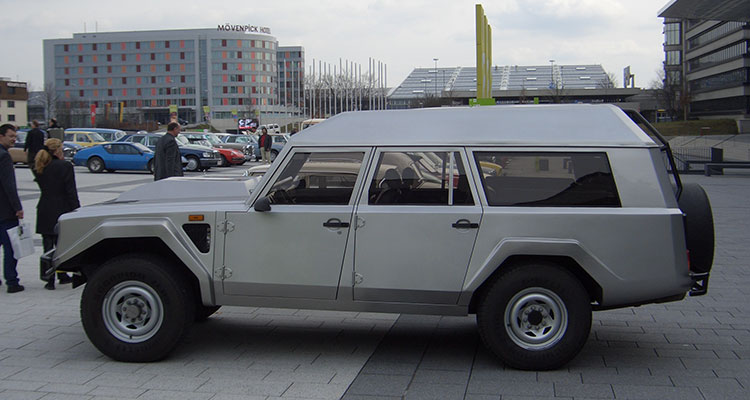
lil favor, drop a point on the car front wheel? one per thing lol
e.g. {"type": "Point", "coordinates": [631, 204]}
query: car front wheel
{"type": "Point", "coordinates": [95, 164]}
{"type": "Point", "coordinates": [133, 308]}
{"type": "Point", "coordinates": [193, 163]}
{"type": "Point", "coordinates": [535, 316]}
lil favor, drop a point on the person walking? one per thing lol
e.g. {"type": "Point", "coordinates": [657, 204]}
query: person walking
{"type": "Point", "coordinates": [264, 143]}
{"type": "Point", "coordinates": [167, 159]}
{"type": "Point", "coordinates": [57, 182]}
{"type": "Point", "coordinates": [54, 130]}
{"type": "Point", "coordinates": [11, 209]}
{"type": "Point", "coordinates": [34, 142]}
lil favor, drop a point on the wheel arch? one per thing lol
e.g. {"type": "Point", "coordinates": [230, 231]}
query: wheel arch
{"type": "Point", "coordinates": [593, 288]}
{"type": "Point", "coordinates": [106, 242]}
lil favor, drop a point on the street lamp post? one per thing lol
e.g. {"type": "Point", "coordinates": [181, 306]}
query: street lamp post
{"type": "Point", "coordinates": [552, 84]}
{"type": "Point", "coordinates": [436, 74]}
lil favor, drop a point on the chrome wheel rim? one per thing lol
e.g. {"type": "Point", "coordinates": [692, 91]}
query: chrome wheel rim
{"type": "Point", "coordinates": [132, 311]}
{"type": "Point", "coordinates": [192, 164]}
{"type": "Point", "coordinates": [95, 164]}
{"type": "Point", "coordinates": [536, 319]}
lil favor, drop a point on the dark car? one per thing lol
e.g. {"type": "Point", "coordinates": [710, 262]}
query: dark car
{"type": "Point", "coordinates": [199, 158]}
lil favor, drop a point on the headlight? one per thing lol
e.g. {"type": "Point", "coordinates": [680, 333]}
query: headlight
{"type": "Point", "coordinates": [207, 154]}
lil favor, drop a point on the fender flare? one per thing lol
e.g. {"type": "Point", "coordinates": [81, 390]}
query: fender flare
{"type": "Point", "coordinates": [161, 228]}
{"type": "Point", "coordinates": [525, 246]}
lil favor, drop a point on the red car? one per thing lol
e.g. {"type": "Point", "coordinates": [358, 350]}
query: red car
{"type": "Point", "coordinates": [228, 156]}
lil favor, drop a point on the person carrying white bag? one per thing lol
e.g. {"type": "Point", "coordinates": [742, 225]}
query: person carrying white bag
{"type": "Point", "coordinates": [11, 209]}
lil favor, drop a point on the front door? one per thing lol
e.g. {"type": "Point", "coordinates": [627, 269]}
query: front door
{"type": "Point", "coordinates": [416, 227]}
{"type": "Point", "coordinates": [296, 248]}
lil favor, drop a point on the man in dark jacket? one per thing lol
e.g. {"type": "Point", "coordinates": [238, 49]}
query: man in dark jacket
{"type": "Point", "coordinates": [168, 161]}
{"type": "Point", "coordinates": [10, 206]}
{"type": "Point", "coordinates": [34, 142]}
{"type": "Point", "coordinates": [264, 144]}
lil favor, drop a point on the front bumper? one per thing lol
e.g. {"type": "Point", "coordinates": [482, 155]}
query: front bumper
{"type": "Point", "coordinates": [210, 162]}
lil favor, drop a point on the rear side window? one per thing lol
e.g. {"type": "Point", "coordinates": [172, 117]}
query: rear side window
{"type": "Point", "coordinates": [536, 179]}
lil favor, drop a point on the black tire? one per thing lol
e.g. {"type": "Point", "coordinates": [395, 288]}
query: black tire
{"type": "Point", "coordinates": [110, 170]}
{"type": "Point", "coordinates": [150, 166]}
{"type": "Point", "coordinates": [95, 164]}
{"type": "Point", "coordinates": [203, 312]}
{"type": "Point", "coordinates": [527, 293]}
{"type": "Point", "coordinates": [224, 162]}
{"type": "Point", "coordinates": [699, 227]}
{"type": "Point", "coordinates": [194, 163]}
{"type": "Point", "coordinates": [145, 285]}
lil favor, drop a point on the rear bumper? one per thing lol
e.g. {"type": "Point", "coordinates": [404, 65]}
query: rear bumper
{"type": "Point", "coordinates": [210, 162]}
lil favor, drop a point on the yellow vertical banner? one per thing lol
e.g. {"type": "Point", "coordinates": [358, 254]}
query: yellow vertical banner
{"type": "Point", "coordinates": [484, 59]}
{"type": "Point", "coordinates": [122, 105]}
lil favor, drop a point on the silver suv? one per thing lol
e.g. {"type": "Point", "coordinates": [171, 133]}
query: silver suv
{"type": "Point", "coordinates": [529, 217]}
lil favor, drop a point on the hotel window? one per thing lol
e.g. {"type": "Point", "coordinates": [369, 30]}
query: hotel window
{"type": "Point", "coordinates": [109, 69]}
{"type": "Point", "coordinates": [96, 70]}
{"type": "Point", "coordinates": [223, 43]}
{"type": "Point", "coordinates": [109, 92]}
{"type": "Point", "coordinates": [109, 46]}
{"type": "Point", "coordinates": [153, 56]}
{"type": "Point", "coordinates": [137, 45]}
{"type": "Point", "coordinates": [67, 82]}
{"type": "Point", "coordinates": [182, 79]}
{"type": "Point", "coordinates": [124, 80]}
{"type": "Point", "coordinates": [166, 44]}
{"type": "Point", "coordinates": [167, 67]}
{"type": "Point", "coordinates": [673, 57]}
{"type": "Point", "coordinates": [80, 59]}
{"type": "Point", "coordinates": [153, 79]}
{"type": "Point", "coordinates": [182, 55]}
{"type": "Point", "coordinates": [137, 68]}
{"type": "Point", "coordinates": [65, 47]}
{"type": "Point", "coordinates": [672, 34]}
{"type": "Point", "coordinates": [93, 47]}
{"type": "Point", "coordinates": [109, 57]}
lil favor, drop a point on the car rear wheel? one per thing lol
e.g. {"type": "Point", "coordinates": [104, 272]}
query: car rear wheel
{"type": "Point", "coordinates": [193, 163]}
{"type": "Point", "coordinates": [133, 308]}
{"type": "Point", "coordinates": [535, 316]}
{"type": "Point", "coordinates": [95, 164]}
{"type": "Point", "coordinates": [224, 162]}
{"type": "Point", "coordinates": [150, 166]}
{"type": "Point", "coordinates": [273, 155]}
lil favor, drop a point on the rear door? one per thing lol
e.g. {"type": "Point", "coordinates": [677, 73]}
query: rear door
{"type": "Point", "coordinates": [417, 222]}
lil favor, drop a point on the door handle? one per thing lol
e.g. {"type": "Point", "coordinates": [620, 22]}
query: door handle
{"type": "Point", "coordinates": [335, 223]}
{"type": "Point", "coordinates": [465, 224]}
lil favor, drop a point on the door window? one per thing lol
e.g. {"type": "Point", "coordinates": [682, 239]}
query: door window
{"type": "Point", "coordinates": [420, 178]}
{"type": "Point", "coordinates": [317, 178]}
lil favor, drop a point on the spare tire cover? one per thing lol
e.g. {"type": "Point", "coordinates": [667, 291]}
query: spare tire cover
{"type": "Point", "coordinates": [699, 227]}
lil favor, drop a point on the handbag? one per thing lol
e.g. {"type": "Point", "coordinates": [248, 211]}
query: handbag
{"type": "Point", "coordinates": [21, 240]}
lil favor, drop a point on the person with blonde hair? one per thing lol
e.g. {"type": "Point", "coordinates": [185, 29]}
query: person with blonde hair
{"type": "Point", "coordinates": [57, 182]}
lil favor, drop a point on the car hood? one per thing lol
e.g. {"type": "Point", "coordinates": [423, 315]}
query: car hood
{"type": "Point", "coordinates": [196, 147]}
{"type": "Point", "coordinates": [187, 189]}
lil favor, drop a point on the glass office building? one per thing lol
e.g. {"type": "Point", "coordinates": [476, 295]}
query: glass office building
{"type": "Point", "coordinates": [209, 74]}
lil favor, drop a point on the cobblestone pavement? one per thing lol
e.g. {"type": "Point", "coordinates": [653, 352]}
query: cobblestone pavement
{"type": "Point", "coordinates": [698, 348]}
{"type": "Point", "coordinates": [694, 349]}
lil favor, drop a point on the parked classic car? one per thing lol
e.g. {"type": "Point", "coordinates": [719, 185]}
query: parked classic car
{"type": "Point", "coordinates": [83, 138]}
{"type": "Point", "coordinates": [110, 135]}
{"type": "Point", "coordinates": [392, 211]}
{"type": "Point", "coordinates": [237, 142]}
{"type": "Point", "coordinates": [114, 156]}
{"type": "Point", "coordinates": [199, 158]}
{"type": "Point", "coordinates": [18, 154]}
{"type": "Point", "coordinates": [228, 156]}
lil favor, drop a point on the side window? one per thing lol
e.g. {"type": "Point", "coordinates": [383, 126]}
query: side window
{"type": "Point", "coordinates": [109, 148]}
{"type": "Point", "coordinates": [81, 137]}
{"type": "Point", "coordinates": [69, 137]}
{"type": "Point", "coordinates": [547, 179]}
{"type": "Point", "coordinates": [420, 178]}
{"type": "Point", "coordinates": [317, 178]}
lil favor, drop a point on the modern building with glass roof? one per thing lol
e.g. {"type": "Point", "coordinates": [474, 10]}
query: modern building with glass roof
{"type": "Point", "coordinates": [511, 83]}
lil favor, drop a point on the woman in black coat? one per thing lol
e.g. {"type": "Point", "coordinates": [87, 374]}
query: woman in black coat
{"type": "Point", "coordinates": [57, 182]}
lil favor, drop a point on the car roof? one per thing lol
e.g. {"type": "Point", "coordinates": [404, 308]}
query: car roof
{"type": "Point", "coordinates": [505, 125]}
{"type": "Point", "coordinates": [97, 130]}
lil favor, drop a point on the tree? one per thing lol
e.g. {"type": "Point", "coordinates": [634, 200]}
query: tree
{"type": "Point", "coordinates": [668, 93]}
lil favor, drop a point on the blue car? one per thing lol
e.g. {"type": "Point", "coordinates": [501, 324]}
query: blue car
{"type": "Point", "coordinates": [198, 158]}
{"type": "Point", "coordinates": [114, 156]}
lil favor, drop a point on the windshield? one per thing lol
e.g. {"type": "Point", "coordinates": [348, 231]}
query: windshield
{"type": "Point", "coordinates": [213, 139]}
{"type": "Point", "coordinates": [142, 148]}
{"type": "Point", "coordinates": [182, 140]}
{"type": "Point", "coordinates": [96, 137]}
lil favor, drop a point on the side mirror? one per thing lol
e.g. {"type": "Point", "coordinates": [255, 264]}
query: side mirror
{"type": "Point", "coordinates": [263, 204]}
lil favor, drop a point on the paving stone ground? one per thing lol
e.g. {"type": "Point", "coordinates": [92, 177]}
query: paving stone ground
{"type": "Point", "coordinates": [698, 348]}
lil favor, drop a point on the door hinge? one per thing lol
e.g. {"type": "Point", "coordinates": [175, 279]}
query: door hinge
{"type": "Point", "coordinates": [360, 222]}
{"type": "Point", "coordinates": [358, 278]}
{"type": "Point", "coordinates": [226, 226]}
{"type": "Point", "coordinates": [223, 273]}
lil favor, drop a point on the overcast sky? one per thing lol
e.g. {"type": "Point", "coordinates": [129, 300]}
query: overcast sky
{"type": "Point", "coordinates": [403, 34]}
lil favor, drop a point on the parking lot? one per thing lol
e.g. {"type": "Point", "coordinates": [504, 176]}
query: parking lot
{"type": "Point", "coordinates": [698, 348]}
